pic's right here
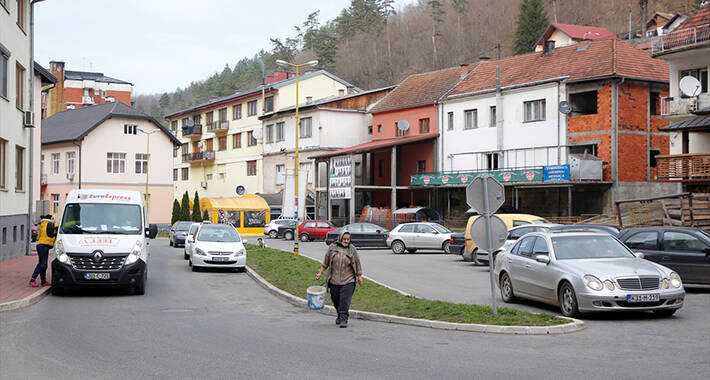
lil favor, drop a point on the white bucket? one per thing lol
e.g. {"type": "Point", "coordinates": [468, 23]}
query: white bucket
{"type": "Point", "coordinates": [316, 297]}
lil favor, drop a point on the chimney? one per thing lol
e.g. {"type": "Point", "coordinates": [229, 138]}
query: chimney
{"type": "Point", "coordinates": [277, 76]}
{"type": "Point", "coordinates": [56, 94]}
{"type": "Point", "coordinates": [549, 46]}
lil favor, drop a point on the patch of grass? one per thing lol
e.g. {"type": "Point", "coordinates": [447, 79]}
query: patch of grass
{"type": "Point", "coordinates": [294, 274]}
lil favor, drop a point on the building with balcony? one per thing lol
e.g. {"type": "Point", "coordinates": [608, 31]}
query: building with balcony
{"type": "Point", "coordinates": [76, 89]}
{"type": "Point", "coordinates": [108, 145]}
{"type": "Point", "coordinates": [221, 140]}
{"type": "Point", "coordinates": [687, 52]}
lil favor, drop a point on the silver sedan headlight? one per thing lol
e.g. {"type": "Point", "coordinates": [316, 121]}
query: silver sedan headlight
{"type": "Point", "coordinates": [675, 280]}
{"type": "Point", "coordinates": [593, 283]}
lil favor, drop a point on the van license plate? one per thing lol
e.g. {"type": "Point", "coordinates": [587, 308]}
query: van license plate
{"type": "Point", "coordinates": [643, 297]}
{"type": "Point", "coordinates": [97, 276]}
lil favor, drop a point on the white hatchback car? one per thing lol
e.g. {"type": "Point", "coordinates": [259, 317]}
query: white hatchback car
{"type": "Point", "coordinates": [217, 246]}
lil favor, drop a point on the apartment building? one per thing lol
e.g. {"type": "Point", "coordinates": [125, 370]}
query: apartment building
{"type": "Point", "coordinates": [76, 89]}
{"type": "Point", "coordinates": [108, 145]}
{"type": "Point", "coordinates": [221, 140]}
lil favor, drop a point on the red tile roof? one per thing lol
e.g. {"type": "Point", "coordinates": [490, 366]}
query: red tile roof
{"type": "Point", "coordinates": [700, 18]}
{"type": "Point", "coordinates": [583, 61]}
{"type": "Point", "coordinates": [584, 32]}
{"type": "Point", "coordinates": [377, 144]}
{"type": "Point", "coordinates": [421, 89]}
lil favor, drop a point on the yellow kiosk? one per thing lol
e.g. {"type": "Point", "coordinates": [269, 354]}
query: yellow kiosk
{"type": "Point", "coordinates": [248, 213]}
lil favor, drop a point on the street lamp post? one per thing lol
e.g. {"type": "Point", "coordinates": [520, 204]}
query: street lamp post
{"type": "Point", "coordinates": [297, 162]}
{"type": "Point", "coordinates": [147, 165]}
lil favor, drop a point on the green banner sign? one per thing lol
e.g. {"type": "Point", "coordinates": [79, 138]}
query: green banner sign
{"type": "Point", "coordinates": [464, 178]}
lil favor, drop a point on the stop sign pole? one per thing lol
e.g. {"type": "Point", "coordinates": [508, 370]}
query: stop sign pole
{"type": "Point", "coordinates": [489, 244]}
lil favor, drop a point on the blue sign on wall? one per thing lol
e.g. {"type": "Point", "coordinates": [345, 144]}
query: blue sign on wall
{"type": "Point", "coordinates": [555, 173]}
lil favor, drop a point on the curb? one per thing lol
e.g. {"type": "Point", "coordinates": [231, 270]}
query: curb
{"type": "Point", "coordinates": [27, 301]}
{"type": "Point", "coordinates": [572, 326]}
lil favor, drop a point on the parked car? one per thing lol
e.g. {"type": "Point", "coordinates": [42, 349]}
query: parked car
{"type": "Point", "coordinates": [315, 230]}
{"type": "Point", "coordinates": [586, 272]}
{"type": "Point", "coordinates": [217, 246]}
{"type": "Point", "coordinates": [516, 232]}
{"type": "Point", "coordinates": [287, 230]}
{"type": "Point", "coordinates": [470, 252]}
{"type": "Point", "coordinates": [457, 244]}
{"type": "Point", "coordinates": [363, 235]}
{"type": "Point", "coordinates": [190, 239]}
{"type": "Point", "coordinates": [178, 233]}
{"type": "Point", "coordinates": [686, 250]}
{"type": "Point", "coordinates": [589, 227]}
{"type": "Point", "coordinates": [272, 229]}
{"type": "Point", "coordinates": [409, 237]}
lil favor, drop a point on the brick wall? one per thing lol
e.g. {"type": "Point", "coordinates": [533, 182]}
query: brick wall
{"type": "Point", "coordinates": [596, 128]}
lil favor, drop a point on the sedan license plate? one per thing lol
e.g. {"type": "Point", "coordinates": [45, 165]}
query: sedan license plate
{"type": "Point", "coordinates": [643, 297]}
{"type": "Point", "coordinates": [97, 276]}
{"type": "Point", "coordinates": [220, 259]}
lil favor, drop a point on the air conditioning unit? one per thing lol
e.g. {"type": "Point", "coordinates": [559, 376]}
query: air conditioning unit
{"type": "Point", "coordinates": [28, 119]}
{"type": "Point", "coordinates": [204, 184]}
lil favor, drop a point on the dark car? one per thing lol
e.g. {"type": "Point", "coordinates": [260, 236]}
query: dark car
{"type": "Point", "coordinates": [457, 244]}
{"type": "Point", "coordinates": [178, 233]}
{"type": "Point", "coordinates": [686, 250]}
{"type": "Point", "coordinates": [363, 235]}
{"type": "Point", "coordinates": [286, 230]}
{"type": "Point", "coordinates": [611, 230]}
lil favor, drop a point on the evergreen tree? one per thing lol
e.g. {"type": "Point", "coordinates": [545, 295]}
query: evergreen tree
{"type": "Point", "coordinates": [196, 213]}
{"type": "Point", "coordinates": [532, 22]}
{"type": "Point", "coordinates": [176, 212]}
{"type": "Point", "coordinates": [164, 101]}
{"type": "Point", "coordinates": [185, 207]}
{"type": "Point", "coordinates": [436, 9]}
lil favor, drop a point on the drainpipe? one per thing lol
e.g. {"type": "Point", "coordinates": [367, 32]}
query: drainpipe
{"type": "Point", "coordinates": [30, 166]}
{"type": "Point", "coordinates": [79, 146]}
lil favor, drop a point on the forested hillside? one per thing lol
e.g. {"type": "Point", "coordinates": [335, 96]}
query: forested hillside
{"type": "Point", "coordinates": [372, 44]}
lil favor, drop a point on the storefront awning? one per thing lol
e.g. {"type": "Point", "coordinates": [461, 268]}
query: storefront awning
{"type": "Point", "coordinates": [376, 145]}
{"type": "Point", "coordinates": [248, 202]}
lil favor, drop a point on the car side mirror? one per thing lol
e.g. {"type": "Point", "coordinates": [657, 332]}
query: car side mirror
{"type": "Point", "coordinates": [639, 255]}
{"type": "Point", "coordinates": [542, 259]}
{"type": "Point", "coordinates": [152, 231]}
{"type": "Point", "coordinates": [436, 232]}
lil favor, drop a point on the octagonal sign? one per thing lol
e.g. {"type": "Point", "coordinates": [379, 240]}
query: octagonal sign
{"type": "Point", "coordinates": [476, 194]}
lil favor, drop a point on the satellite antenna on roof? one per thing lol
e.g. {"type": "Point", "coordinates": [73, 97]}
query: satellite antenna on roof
{"type": "Point", "coordinates": [690, 86]}
{"type": "Point", "coordinates": [403, 125]}
{"type": "Point", "coordinates": [257, 134]}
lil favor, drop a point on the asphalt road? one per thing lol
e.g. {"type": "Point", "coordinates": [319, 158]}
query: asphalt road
{"type": "Point", "coordinates": [222, 325]}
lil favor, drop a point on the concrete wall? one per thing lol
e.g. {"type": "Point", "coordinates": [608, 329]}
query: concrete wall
{"type": "Point", "coordinates": [633, 190]}
{"type": "Point", "coordinates": [387, 121]}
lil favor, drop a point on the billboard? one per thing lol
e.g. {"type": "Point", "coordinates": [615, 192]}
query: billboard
{"type": "Point", "coordinates": [340, 177]}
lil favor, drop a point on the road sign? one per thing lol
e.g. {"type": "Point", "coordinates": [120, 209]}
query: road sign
{"type": "Point", "coordinates": [565, 107]}
{"type": "Point", "coordinates": [498, 233]}
{"type": "Point", "coordinates": [476, 196]}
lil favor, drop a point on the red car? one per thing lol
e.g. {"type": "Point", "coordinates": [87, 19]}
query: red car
{"type": "Point", "coordinates": [315, 229]}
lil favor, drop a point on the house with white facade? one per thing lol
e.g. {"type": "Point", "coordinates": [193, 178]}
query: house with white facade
{"type": "Point", "coordinates": [110, 145]}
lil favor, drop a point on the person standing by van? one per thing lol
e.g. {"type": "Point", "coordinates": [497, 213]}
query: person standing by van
{"type": "Point", "coordinates": [345, 270]}
{"type": "Point", "coordinates": [45, 241]}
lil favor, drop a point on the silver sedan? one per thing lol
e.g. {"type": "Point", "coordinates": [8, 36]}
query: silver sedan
{"type": "Point", "coordinates": [586, 272]}
{"type": "Point", "coordinates": [409, 237]}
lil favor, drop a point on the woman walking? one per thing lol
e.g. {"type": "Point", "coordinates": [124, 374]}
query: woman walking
{"type": "Point", "coordinates": [345, 270]}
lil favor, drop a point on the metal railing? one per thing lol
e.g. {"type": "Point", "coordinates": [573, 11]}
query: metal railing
{"type": "Point", "coordinates": [676, 106]}
{"type": "Point", "coordinates": [683, 167]}
{"type": "Point", "coordinates": [512, 159]}
{"type": "Point", "coordinates": [205, 155]}
{"type": "Point", "coordinates": [191, 131]}
{"type": "Point", "coordinates": [218, 126]}
{"type": "Point", "coordinates": [681, 39]}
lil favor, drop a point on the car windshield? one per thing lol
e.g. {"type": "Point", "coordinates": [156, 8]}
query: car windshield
{"type": "Point", "coordinates": [101, 218]}
{"type": "Point", "coordinates": [182, 226]}
{"type": "Point", "coordinates": [589, 247]}
{"type": "Point", "coordinates": [223, 234]}
{"type": "Point", "coordinates": [441, 229]}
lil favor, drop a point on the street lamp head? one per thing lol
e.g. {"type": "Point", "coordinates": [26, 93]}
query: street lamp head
{"type": "Point", "coordinates": [282, 62]}
{"type": "Point", "coordinates": [311, 63]}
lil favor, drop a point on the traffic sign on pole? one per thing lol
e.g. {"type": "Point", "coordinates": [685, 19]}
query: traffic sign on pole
{"type": "Point", "coordinates": [499, 232]}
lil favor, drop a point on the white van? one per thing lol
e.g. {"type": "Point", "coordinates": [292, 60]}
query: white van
{"type": "Point", "coordinates": [103, 241]}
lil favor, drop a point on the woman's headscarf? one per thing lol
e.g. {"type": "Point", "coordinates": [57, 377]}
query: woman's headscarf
{"type": "Point", "coordinates": [340, 239]}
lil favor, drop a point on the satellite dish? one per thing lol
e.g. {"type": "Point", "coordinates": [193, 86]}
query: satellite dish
{"type": "Point", "coordinates": [403, 125]}
{"type": "Point", "coordinates": [690, 86]}
{"type": "Point", "coordinates": [257, 133]}
{"type": "Point", "coordinates": [190, 123]}
{"type": "Point", "coordinates": [241, 190]}
{"type": "Point", "coordinates": [565, 107]}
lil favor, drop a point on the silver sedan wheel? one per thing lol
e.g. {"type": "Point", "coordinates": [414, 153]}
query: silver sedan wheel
{"type": "Point", "coordinates": [568, 301]}
{"type": "Point", "coordinates": [506, 288]}
{"type": "Point", "coordinates": [398, 247]}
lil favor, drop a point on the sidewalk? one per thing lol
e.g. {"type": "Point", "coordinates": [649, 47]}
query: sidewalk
{"type": "Point", "coordinates": [15, 274]}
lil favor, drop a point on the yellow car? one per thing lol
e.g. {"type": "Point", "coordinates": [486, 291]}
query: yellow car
{"type": "Point", "coordinates": [511, 220]}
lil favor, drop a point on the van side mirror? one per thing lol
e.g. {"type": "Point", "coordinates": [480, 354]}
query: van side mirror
{"type": "Point", "coordinates": [152, 231]}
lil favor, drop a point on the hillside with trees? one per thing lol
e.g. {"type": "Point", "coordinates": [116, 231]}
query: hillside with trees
{"type": "Point", "coordinates": [372, 44]}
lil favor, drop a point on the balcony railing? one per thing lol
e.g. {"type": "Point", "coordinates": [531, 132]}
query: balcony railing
{"type": "Point", "coordinates": [194, 131]}
{"type": "Point", "coordinates": [218, 126]}
{"type": "Point", "coordinates": [675, 106]}
{"type": "Point", "coordinates": [682, 39]}
{"type": "Point", "coordinates": [205, 155]}
{"type": "Point", "coordinates": [683, 167]}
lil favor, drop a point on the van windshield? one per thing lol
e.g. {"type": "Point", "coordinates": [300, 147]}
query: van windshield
{"type": "Point", "coordinates": [101, 218]}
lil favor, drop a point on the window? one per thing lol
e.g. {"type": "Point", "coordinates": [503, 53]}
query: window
{"type": "Point", "coordinates": [209, 117]}
{"type": "Point", "coordinates": [492, 161]}
{"type": "Point", "coordinates": [175, 152]}
{"type": "Point", "coordinates": [55, 163]}
{"type": "Point", "coordinates": [470, 119]}
{"type": "Point", "coordinates": [680, 241]}
{"type": "Point", "coordinates": [407, 228]}
{"type": "Point", "coordinates": [222, 114]}
{"type": "Point", "coordinates": [222, 143]}
{"type": "Point", "coordinates": [14, 234]}
{"type": "Point", "coordinates": [493, 119]}
{"type": "Point", "coordinates": [643, 240]}
{"type": "Point", "coordinates": [209, 145]}
{"type": "Point", "coordinates": [19, 168]}
{"type": "Point", "coordinates": [421, 166]}
{"type": "Point", "coordinates": [424, 125]}
{"type": "Point", "coordinates": [251, 168]}
{"type": "Point", "coordinates": [19, 86]}
{"type": "Point", "coordinates": [4, 57]}
{"type": "Point", "coordinates": [197, 119]}
{"type": "Point", "coordinates": [519, 232]}
{"type": "Point", "coordinates": [183, 122]}
{"type": "Point", "coordinates": [341, 92]}
{"type": "Point", "coordinates": [236, 140]}
{"type": "Point", "coordinates": [71, 156]}
{"type": "Point", "coordinates": [306, 167]}
{"type": "Point", "coordinates": [306, 128]}
{"type": "Point", "coordinates": [4, 235]}
{"type": "Point", "coordinates": [251, 141]}
{"type": "Point", "coordinates": [450, 121]}
{"type": "Point", "coordinates": [208, 177]}
{"type": "Point", "coordinates": [534, 110]}
{"type": "Point", "coordinates": [540, 247]}
{"type": "Point", "coordinates": [185, 174]}
{"type": "Point", "coordinates": [280, 169]}
{"type": "Point", "coordinates": [21, 14]}
{"type": "Point", "coordinates": [424, 229]}
{"type": "Point", "coordinates": [583, 103]}
{"type": "Point", "coordinates": [369, 130]}
{"type": "Point", "coordinates": [22, 232]}
{"type": "Point", "coordinates": [141, 163]}
{"type": "Point", "coordinates": [380, 168]}
{"type": "Point", "coordinates": [655, 102]}
{"type": "Point", "coordinates": [525, 247]}
{"type": "Point", "coordinates": [173, 126]}
{"type": "Point", "coordinates": [115, 163]}
{"type": "Point", "coordinates": [55, 203]}
{"type": "Point", "coordinates": [237, 112]}
{"type": "Point", "coordinates": [269, 104]}
{"type": "Point", "coordinates": [3, 164]}
{"type": "Point", "coordinates": [130, 129]}
{"type": "Point", "coordinates": [279, 131]}
{"type": "Point", "coordinates": [269, 133]}
{"type": "Point", "coordinates": [175, 175]}
{"type": "Point", "coordinates": [184, 150]}
{"type": "Point", "coordinates": [251, 108]}
{"type": "Point", "coordinates": [400, 132]}
{"type": "Point", "coordinates": [583, 149]}
{"type": "Point", "coordinates": [699, 74]}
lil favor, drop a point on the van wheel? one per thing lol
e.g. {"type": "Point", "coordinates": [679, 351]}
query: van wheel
{"type": "Point", "coordinates": [288, 235]}
{"type": "Point", "coordinates": [273, 234]}
{"type": "Point", "coordinates": [398, 247]}
{"type": "Point", "coordinates": [305, 237]}
{"type": "Point", "coordinates": [139, 288]}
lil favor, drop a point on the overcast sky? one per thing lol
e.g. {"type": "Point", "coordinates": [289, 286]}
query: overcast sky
{"type": "Point", "coordinates": [161, 44]}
